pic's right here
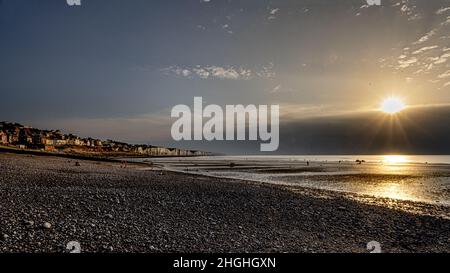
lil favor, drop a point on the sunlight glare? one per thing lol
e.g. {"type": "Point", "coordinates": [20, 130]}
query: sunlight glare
{"type": "Point", "coordinates": [392, 105]}
{"type": "Point", "coordinates": [395, 159]}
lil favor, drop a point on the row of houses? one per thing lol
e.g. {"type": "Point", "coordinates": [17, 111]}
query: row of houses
{"type": "Point", "coordinates": [14, 134]}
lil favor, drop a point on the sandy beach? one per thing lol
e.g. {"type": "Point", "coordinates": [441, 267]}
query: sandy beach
{"type": "Point", "coordinates": [47, 202]}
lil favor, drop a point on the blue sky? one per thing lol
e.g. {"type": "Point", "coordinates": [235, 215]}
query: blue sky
{"type": "Point", "coordinates": [114, 69]}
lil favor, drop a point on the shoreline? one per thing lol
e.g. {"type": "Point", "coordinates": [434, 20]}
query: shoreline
{"type": "Point", "coordinates": [109, 207]}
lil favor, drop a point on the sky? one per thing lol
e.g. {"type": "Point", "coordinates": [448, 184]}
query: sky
{"type": "Point", "coordinates": [114, 69]}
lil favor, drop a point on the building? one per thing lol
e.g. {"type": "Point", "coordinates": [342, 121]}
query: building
{"type": "Point", "coordinates": [98, 143]}
{"type": "Point", "coordinates": [60, 142]}
{"type": "Point", "coordinates": [137, 150]}
{"type": "Point", "coordinates": [47, 141]}
{"type": "Point", "coordinates": [37, 139]}
{"type": "Point", "coordinates": [73, 140]}
{"type": "Point", "coordinates": [49, 148]}
{"type": "Point", "coordinates": [3, 138]}
{"type": "Point", "coordinates": [25, 136]}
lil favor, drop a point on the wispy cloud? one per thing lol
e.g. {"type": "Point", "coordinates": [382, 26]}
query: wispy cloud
{"type": "Point", "coordinates": [266, 71]}
{"type": "Point", "coordinates": [444, 75]}
{"type": "Point", "coordinates": [442, 10]}
{"type": "Point", "coordinates": [227, 28]}
{"type": "Point", "coordinates": [427, 55]}
{"type": "Point", "coordinates": [423, 49]}
{"type": "Point", "coordinates": [426, 37]}
{"type": "Point", "coordinates": [272, 13]}
{"type": "Point", "coordinates": [442, 59]}
{"type": "Point", "coordinates": [404, 7]}
{"type": "Point", "coordinates": [219, 72]}
{"type": "Point", "coordinates": [276, 89]}
{"type": "Point", "coordinates": [407, 63]}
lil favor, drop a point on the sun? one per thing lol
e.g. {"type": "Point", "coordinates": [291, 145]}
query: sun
{"type": "Point", "coordinates": [392, 105]}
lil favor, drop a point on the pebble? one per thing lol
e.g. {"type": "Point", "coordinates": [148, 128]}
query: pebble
{"type": "Point", "coordinates": [28, 223]}
{"type": "Point", "coordinates": [47, 225]}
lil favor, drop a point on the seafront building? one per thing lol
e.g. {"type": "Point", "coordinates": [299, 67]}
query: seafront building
{"type": "Point", "coordinates": [24, 137]}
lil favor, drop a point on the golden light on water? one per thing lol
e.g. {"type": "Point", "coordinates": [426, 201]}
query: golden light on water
{"type": "Point", "coordinates": [394, 190]}
{"type": "Point", "coordinates": [392, 105]}
{"type": "Point", "coordinates": [395, 159]}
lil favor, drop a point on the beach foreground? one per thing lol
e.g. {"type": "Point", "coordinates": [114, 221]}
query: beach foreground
{"type": "Point", "coordinates": [47, 202]}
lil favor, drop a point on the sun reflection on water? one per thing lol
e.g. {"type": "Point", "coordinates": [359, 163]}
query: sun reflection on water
{"type": "Point", "coordinates": [395, 159]}
{"type": "Point", "coordinates": [396, 184]}
{"type": "Point", "coordinates": [395, 190]}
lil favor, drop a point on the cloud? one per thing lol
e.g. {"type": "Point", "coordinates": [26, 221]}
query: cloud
{"type": "Point", "coordinates": [444, 75]}
{"type": "Point", "coordinates": [218, 72]}
{"type": "Point", "coordinates": [423, 49]}
{"type": "Point", "coordinates": [226, 27]}
{"type": "Point", "coordinates": [407, 9]}
{"type": "Point", "coordinates": [266, 71]}
{"type": "Point", "coordinates": [273, 13]}
{"type": "Point", "coordinates": [407, 63]}
{"type": "Point", "coordinates": [446, 22]}
{"type": "Point", "coordinates": [426, 37]}
{"type": "Point", "coordinates": [226, 73]}
{"type": "Point", "coordinates": [428, 54]}
{"type": "Point", "coordinates": [202, 27]}
{"type": "Point", "coordinates": [404, 8]}
{"type": "Point", "coordinates": [442, 10]}
{"type": "Point", "coordinates": [276, 89]}
{"type": "Point", "coordinates": [180, 71]}
{"type": "Point", "coordinates": [442, 59]}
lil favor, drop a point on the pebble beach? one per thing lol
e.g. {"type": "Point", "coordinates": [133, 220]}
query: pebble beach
{"type": "Point", "coordinates": [47, 202]}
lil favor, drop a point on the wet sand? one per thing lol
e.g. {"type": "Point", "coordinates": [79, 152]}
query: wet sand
{"type": "Point", "coordinates": [47, 202]}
